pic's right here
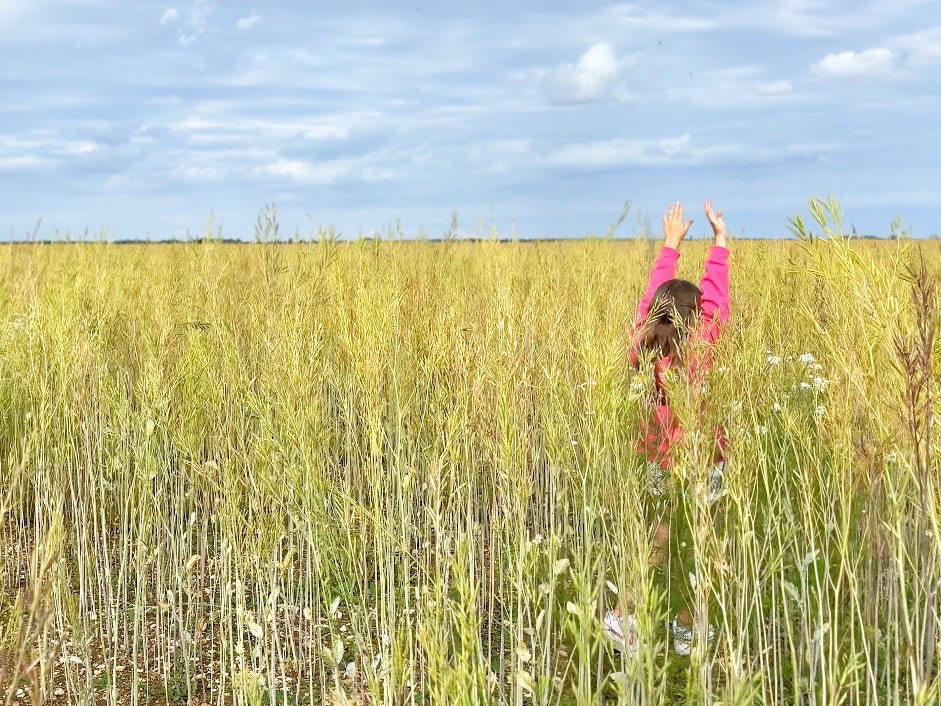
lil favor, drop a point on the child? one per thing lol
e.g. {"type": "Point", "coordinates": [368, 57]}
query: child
{"type": "Point", "coordinates": [670, 312]}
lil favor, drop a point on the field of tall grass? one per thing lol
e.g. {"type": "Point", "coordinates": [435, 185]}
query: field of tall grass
{"type": "Point", "coordinates": [405, 473]}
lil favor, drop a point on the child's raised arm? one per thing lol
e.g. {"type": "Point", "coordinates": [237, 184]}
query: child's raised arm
{"type": "Point", "coordinates": [674, 232]}
{"type": "Point", "coordinates": [719, 232]}
{"type": "Point", "coordinates": [663, 269]}
{"type": "Point", "coordinates": [715, 281]}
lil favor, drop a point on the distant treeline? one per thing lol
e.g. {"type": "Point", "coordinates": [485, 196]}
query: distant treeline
{"type": "Point", "coordinates": [238, 241]}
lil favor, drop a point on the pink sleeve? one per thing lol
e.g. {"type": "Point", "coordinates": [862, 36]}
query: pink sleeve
{"type": "Point", "coordinates": [715, 292]}
{"type": "Point", "coordinates": [663, 269]}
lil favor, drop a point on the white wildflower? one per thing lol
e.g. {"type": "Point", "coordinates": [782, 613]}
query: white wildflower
{"type": "Point", "coordinates": [776, 407]}
{"type": "Point", "coordinates": [775, 360]}
{"type": "Point", "coordinates": [807, 358]}
{"type": "Point", "coordinates": [819, 411]}
{"type": "Point", "coordinates": [892, 457]}
{"type": "Point", "coordinates": [763, 430]}
{"type": "Point", "coordinates": [820, 383]}
{"type": "Point", "coordinates": [537, 539]}
{"type": "Point", "coordinates": [804, 386]}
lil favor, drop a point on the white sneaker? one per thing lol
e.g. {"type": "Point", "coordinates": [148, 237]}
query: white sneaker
{"type": "Point", "coordinates": [621, 631]}
{"type": "Point", "coordinates": [683, 637]}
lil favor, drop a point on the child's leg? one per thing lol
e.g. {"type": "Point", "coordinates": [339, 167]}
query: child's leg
{"type": "Point", "coordinates": [659, 558]}
{"type": "Point", "coordinates": [620, 624]}
{"type": "Point", "coordinates": [684, 618]}
{"type": "Point", "coordinates": [682, 557]}
{"type": "Point", "coordinates": [660, 551]}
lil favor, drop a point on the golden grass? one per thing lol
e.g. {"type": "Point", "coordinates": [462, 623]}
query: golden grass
{"type": "Point", "coordinates": [231, 472]}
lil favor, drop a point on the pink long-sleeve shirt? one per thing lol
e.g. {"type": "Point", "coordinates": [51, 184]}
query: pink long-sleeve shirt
{"type": "Point", "coordinates": [663, 432]}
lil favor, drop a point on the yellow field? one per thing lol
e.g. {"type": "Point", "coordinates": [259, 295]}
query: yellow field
{"type": "Point", "coordinates": [404, 473]}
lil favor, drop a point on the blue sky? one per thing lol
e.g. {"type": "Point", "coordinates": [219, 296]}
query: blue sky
{"type": "Point", "coordinates": [538, 119]}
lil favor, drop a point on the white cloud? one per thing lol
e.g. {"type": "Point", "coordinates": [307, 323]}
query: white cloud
{"type": "Point", "coordinates": [26, 161]}
{"type": "Point", "coordinates": [200, 173]}
{"type": "Point", "coordinates": [9, 9]}
{"type": "Point", "coordinates": [773, 88]}
{"type": "Point", "coordinates": [678, 151]}
{"type": "Point", "coordinates": [815, 18]}
{"type": "Point", "coordinates": [246, 22]}
{"type": "Point", "coordinates": [803, 18]}
{"type": "Point", "coordinates": [310, 173]}
{"type": "Point", "coordinates": [636, 16]}
{"type": "Point", "coordinates": [592, 79]}
{"type": "Point", "coordinates": [219, 124]}
{"type": "Point", "coordinates": [196, 24]}
{"type": "Point", "coordinates": [328, 171]}
{"type": "Point", "coordinates": [82, 147]}
{"type": "Point", "coordinates": [920, 48]}
{"type": "Point", "coordinates": [50, 147]}
{"type": "Point", "coordinates": [871, 62]}
{"type": "Point", "coordinates": [499, 156]}
{"type": "Point", "coordinates": [731, 88]}
{"type": "Point", "coordinates": [620, 152]}
{"type": "Point", "coordinates": [171, 15]}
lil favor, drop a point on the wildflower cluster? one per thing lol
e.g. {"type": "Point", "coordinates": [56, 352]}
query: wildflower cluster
{"type": "Point", "coordinates": [812, 379]}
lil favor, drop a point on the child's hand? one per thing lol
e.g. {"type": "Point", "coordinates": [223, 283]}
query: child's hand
{"type": "Point", "coordinates": [718, 225]}
{"type": "Point", "coordinates": [674, 229]}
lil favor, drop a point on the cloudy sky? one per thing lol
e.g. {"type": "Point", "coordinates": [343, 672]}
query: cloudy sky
{"type": "Point", "coordinates": [143, 118]}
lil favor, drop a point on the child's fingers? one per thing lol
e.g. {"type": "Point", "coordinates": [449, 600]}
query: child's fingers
{"type": "Point", "coordinates": [711, 214]}
{"type": "Point", "coordinates": [674, 214]}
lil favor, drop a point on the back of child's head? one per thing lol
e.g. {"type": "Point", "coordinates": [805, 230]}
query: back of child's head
{"type": "Point", "coordinates": [673, 311]}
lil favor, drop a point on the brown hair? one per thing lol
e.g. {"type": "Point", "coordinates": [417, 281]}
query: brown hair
{"type": "Point", "coordinates": [676, 303]}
